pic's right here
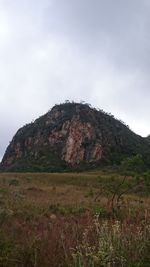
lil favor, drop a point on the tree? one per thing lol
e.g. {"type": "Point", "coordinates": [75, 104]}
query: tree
{"type": "Point", "coordinates": [134, 164]}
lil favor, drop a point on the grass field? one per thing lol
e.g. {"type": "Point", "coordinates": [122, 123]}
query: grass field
{"type": "Point", "coordinates": [68, 220]}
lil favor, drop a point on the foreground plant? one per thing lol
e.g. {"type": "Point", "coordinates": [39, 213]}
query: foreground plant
{"type": "Point", "coordinates": [113, 244]}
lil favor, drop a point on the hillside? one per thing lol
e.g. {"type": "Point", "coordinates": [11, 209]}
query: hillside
{"type": "Point", "coordinates": [71, 136]}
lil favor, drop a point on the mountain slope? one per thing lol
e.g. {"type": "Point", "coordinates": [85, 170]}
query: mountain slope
{"type": "Point", "coordinates": [70, 135]}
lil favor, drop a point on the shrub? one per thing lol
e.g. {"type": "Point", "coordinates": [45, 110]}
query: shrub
{"type": "Point", "coordinates": [133, 164]}
{"type": "Point", "coordinates": [14, 182]}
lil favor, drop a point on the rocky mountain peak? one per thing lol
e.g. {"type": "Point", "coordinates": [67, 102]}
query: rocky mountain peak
{"type": "Point", "coordinates": [67, 136]}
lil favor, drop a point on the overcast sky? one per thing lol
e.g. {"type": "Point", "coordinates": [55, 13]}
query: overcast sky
{"type": "Point", "coordinates": [92, 50]}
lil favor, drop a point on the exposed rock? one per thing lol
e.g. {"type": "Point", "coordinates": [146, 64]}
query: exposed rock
{"type": "Point", "coordinates": [74, 152]}
{"type": "Point", "coordinates": [69, 135]}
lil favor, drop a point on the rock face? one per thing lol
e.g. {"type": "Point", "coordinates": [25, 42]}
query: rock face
{"type": "Point", "coordinates": [67, 136]}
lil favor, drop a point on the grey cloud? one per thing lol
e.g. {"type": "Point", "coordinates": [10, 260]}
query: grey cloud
{"type": "Point", "coordinates": [52, 50]}
{"type": "Point", "coordinates": [121, 27]}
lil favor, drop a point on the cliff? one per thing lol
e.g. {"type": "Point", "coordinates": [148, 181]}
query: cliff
{"type": "Point", "coordinates": [68, 136]}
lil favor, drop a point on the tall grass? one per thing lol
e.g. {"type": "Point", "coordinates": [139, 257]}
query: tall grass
{"type": "Point", "coordinates": [113, 244]}
{"type": "Point", "coordinates": [48, 220]}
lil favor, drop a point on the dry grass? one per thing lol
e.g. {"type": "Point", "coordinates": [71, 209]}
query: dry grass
{"type": "Point", "coordinates": [49, 220]}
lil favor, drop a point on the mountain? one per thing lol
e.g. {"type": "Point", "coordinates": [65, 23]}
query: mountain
{"type": "Point", "coordinates": [72, 136]}
{"type": "Point", "coordinates": [148, 138]}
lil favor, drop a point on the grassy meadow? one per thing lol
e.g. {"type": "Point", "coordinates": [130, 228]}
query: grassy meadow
{"type": "Point", "coordinates": [89, 219]}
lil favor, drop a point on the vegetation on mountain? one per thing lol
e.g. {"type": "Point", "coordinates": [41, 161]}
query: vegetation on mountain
{"type": "Point", "coordinates": [73, 136]}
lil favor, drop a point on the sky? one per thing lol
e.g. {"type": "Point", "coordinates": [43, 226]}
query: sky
{"type": "Point", "coordinates": [97, 51]}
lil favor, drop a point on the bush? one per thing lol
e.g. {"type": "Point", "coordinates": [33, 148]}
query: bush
{"type": "Point", "coordinates": [133, 164]}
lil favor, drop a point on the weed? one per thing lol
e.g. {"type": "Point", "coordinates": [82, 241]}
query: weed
{"type": "Point", "coordinates": [14, 182]}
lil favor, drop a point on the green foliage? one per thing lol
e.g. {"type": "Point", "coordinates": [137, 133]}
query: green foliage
{"type": "Point", "coordinates": [102, 212]}
{"type": "Point", "coordinates": [57, 209]}
{"type": "Point", "coordinates": [133, 164]}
